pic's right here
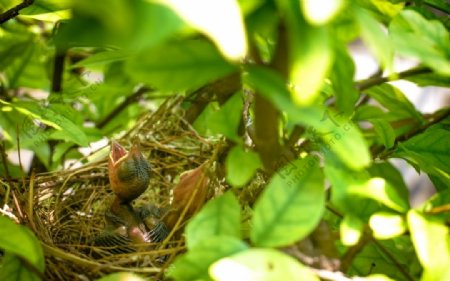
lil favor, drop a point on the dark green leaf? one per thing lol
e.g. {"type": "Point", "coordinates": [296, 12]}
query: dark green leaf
{"type": "Point", "coordinates": [195, 263]}
{"type": "Point", "coordinates": [219, 217]}
{"type": "Point", "coordinates": [430, 151]}
{"type": "Point", "coordinates": [241, 165]}
{"type": "Point", "coordinates": [14, 269]}
{"type": "Point", "coordinates": [391, 174]}
{"type": "Point", "coordinates": [342, 81]}
{"type": "Point", "coordinates": [290, 206]}
{"type": "Point", "coordinates": [384, 131]}
{"type": "Point", "coordinates": [179, 66]}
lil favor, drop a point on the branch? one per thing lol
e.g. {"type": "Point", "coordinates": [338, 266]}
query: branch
{"type": "Point", "coordinates": [14, 11]}
{"type": "Point", "coordinates": [129, 100]}
{"type": "Point", "coordinates": [368, 83]}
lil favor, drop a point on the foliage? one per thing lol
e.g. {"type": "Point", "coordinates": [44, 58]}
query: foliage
{"type": "Point", "coordinates": [274, 78]}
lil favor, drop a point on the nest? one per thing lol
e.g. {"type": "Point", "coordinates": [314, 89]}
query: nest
{"type": "Point", "coordinates": [66, 209]}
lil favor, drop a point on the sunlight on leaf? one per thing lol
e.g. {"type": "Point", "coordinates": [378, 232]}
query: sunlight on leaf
{"type": "Point", "coordinates": [121, 276]}
{"type": "Point", "coordinates": [431, 242]}
{"type": "Point", "coordinates": [320, 12]}
{"type": "Point", "coordinates": [220, 20]}
{"type": "Point", "coordinates": [387, 225]}
{"type": "Point", "coordinates": [351, 229]}
{"type": "Point", "coordinates": [260, 265]}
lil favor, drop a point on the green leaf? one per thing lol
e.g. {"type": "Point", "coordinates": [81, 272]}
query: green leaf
{"type": "Point", "coordinates": [431, 242]}
{"type": "Point", "coordinates": [23, 244]}
{"type": "Point", "coordinates": [14, 269]}
{"type": "Point", "coordinates": [50, 116]}
{"type": "Point", "coordinates": [241, 165]}
{"type": "Point", "coordinates": [103, 58]}
{"type": "Point", "coordinates": [384, 131]}
{"type": "Point", "coordinates": [290, 206]}
{"type": "Point", "coordinates": [312, 58]}
{"type": "Point", "coordinates": [387, 225]}
{"type": "Point", "coordinates": [121, 276]}
{"type": "Point", "coordinates": [431, 49]}
{"type": "Point", "coordinates": [195, 263]}
{"type": "Point", "coordinates": [391, 174]}
{"type": "Point", "coordinates": [219, 217]}
{"type": "Point", "coordinates": [260, 265]}
{"type": "Point", "coordinates": [342, 81]}
{"type": "Point", "coordinates": [375, 38]}
{"type": "Point", "coordinates": [430, 151]}
{"type": "Point", "coordinates": [226, 120]}
{"type": "Point", "coordinates": [337, 134]}
{"type": "Point", "coordinates": [179, 65]}
{"type": "Point", "coordinates": [208, 18]}
{"type": "Point", "coordinates": [351, 230]}
{"type": "Point", "coordinates": [395, 101]}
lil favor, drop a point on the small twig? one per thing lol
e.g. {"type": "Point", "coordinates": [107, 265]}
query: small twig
{"type": "Point", "coordinates": [368, 83]}
{"type": "Point", "coordinates": [18, 147]}
{"type": "Point", "coordinates": [31, 202]}
{"type": "Point", "coordinates": [14, 11]}
{"type": "Point", "coordinates": [129, 100]}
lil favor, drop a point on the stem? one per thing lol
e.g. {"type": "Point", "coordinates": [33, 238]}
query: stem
{"type": "Point", "coordinates": [368, 83]}
{"type": "Point", "coordinates": [14, 11]}
{"type": "Point", "coordinates": [129, 100]}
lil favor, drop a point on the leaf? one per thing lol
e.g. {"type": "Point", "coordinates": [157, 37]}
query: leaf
{"type": "Point", "coordinates": [290, 206]}
{"type": "Point", "coordinates": [241, 165]}
{"type": "Point", "coordinates": [260, 265]}
{"type": "Point", "coordinates": [342, 81]}
{"type": "Point", "coordinates": [337, 134]}
{"type": "Point", "coordinates": [121, 276]}
{"type": "Point", "coordinates": [438, 204]}
{"type": "Point", "coordinates": [431, 242]}
{"type": "Point", "coordinates": [14, 269]}
{"type": "Point", "coordinates": [207, 17]}
{"type": "Point", "coordinates": [23, 244]}
{"type": "Point", "coordinates": [395, 101]}
{"type": "Point", "coordinates": [179, 66]}
{"type": "Point", "coordinates": [375, 38]}
{"type": "Point", "coordinates": [431, 49]}
{"type": "Point", "coordinates": [103, 58]}
{"type": "Point", "coordinates": [430, 151]}
{"type": "Point", "coordinates": [387, 171]}
{"type": "Point", "coordinates": [312, 57]}
{"type": "Point", "coordinates": [51, 117]}
{"type": "Point", "coordinates": [226, 120]}
{"type": "Point", "coordinates": [194, 264]}
{"type": "Point", "coordinates": [219, 217]}
{"type": "Point", "coordinates": [190, 192]}
{"type": "Point", "coordinates": [318, 12]}
{"type": "Point", "coordinates": [351, 229]}
{"type": "Point", "coordinates": [387, 225]}
{"type": "Point", "coordinates": [384, 131]}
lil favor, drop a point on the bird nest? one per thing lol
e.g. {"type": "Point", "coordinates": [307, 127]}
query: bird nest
{"type": "Point", "coordinates": [65, 209]}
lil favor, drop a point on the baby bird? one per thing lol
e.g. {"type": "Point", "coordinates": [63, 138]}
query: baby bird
{"type": "Point", "coordinates": [129, 172]}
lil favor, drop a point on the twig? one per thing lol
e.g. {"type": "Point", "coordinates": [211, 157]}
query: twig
{"type": "Point", "coordinates": [129, 100]}
{"type": "Point", "coordinates": [368, 83]}
{"type": "Point", "coordinates": [14, 11]}
{"type": "Point", "coordinates": [18, 147]}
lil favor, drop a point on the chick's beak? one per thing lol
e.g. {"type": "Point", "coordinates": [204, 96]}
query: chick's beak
{"type": "Point", "coordinates": [117, 153]}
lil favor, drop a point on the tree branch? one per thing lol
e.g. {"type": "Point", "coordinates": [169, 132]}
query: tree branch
{"type": "Point", "coordinates": [368, 83]}
{"type": "Point", "coordinates": [14, 11]}
{"type": "Point", "coordinates": [129, 100]}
